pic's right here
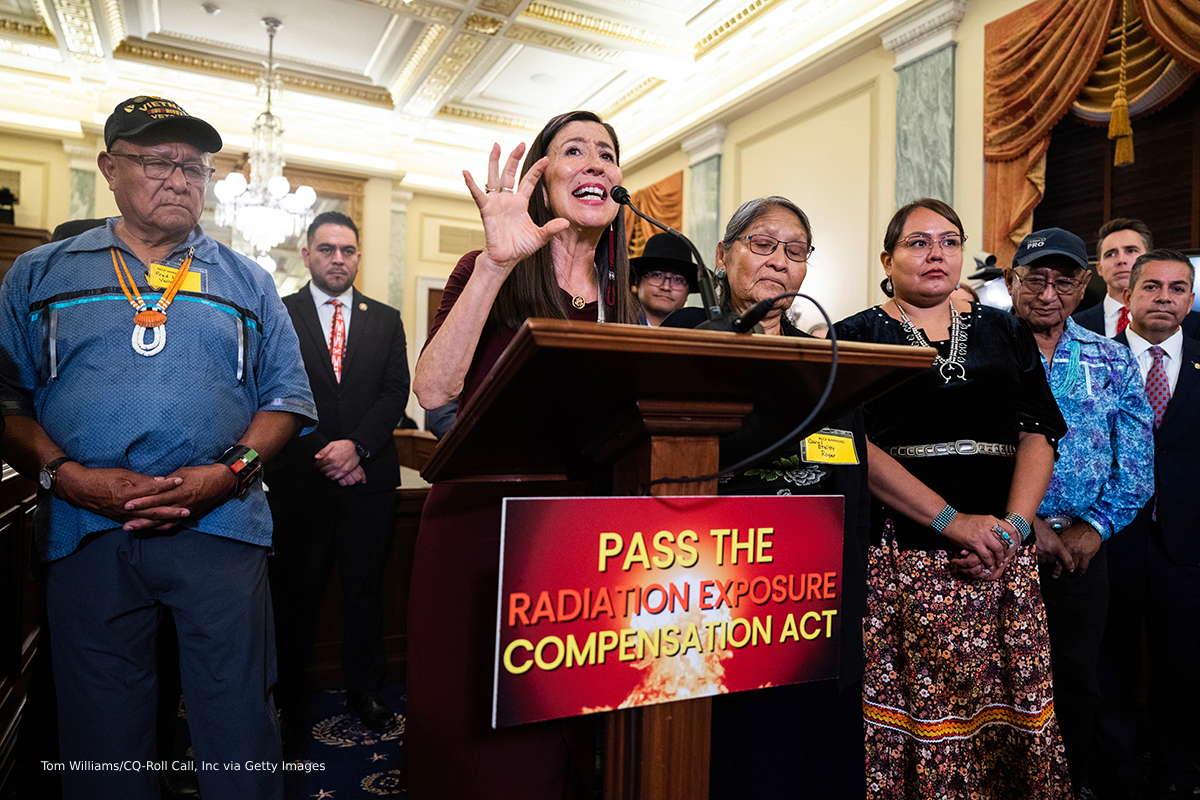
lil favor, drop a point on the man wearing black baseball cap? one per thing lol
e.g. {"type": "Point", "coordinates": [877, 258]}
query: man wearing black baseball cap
{"type": "Point", "coordinates": [147, 447]}
{"type": "Point", "coordinates": [663, 277]}
{"type": "Point", "coordinates": [1102, 477]}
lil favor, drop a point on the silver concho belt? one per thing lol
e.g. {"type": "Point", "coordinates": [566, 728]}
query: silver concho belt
{"type": "Point", "coordinates": [963, 447]}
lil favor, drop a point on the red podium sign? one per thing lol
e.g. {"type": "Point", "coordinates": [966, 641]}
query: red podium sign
{"type": "Point", "coordinates": [614, 602]}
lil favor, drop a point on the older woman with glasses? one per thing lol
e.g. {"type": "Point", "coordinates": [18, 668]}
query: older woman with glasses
{"type": "Point", "coordinates": [957, 692]}
{"type": "Point", "coordinates": [763, 742]}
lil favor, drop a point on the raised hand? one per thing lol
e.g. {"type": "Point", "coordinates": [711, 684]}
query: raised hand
{"type": "Point", "coordinates": [510, 234]}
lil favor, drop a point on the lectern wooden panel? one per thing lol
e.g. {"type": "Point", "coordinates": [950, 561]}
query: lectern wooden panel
{"type": "Point", "coordinates": [555, 399]}
{"type": "Point", "coordinates": [635, 404]}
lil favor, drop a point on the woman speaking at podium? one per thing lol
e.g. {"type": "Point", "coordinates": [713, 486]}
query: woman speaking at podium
{"type": "Point", "coordinates": [957, 695]}
{"type": "Point", "coordinates": [554, 247]}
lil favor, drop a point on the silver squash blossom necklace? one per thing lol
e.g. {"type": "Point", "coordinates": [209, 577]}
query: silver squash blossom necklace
{"type": "Point", "coordinates": [952, 367]}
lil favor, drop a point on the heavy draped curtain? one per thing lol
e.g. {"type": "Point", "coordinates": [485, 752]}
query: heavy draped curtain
{"type": "Point", "coordinates": [1055, 56]}
{"type": "Point", "coordinates": [1175, 24]}
{"type": "Point", "coordinates": [663, 201]}
{"type": "Point", "coordinates": [1036, 60]}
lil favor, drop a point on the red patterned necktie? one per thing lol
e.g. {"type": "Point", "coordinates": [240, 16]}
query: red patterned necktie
{"type": "Point", "coordinates": [337, 338]}
{"type": "Point", "coordinates": [1123, 319]}
{"type": "Point", "coordinates": [1158, 389]}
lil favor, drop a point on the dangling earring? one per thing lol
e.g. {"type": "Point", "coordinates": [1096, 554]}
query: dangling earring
{"type": "Point", "coordinates": [887, 287]}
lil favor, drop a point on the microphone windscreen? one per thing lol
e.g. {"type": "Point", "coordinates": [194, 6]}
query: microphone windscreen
{"type": "Point", "coordinates": [620, 194]}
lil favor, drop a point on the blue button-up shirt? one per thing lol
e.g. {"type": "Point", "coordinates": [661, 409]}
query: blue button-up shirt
{"type": "Point", "coordinates": [230, 352]}
{"type": "Point", "coordinates": [1105, 468]}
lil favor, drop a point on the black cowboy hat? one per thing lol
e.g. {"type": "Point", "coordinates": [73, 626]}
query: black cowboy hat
{"type": "Point", "coordinates": [666, 253]}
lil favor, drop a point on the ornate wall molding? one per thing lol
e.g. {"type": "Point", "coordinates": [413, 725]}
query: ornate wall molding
{"type": "Point", "coordinates": [456, 58]}
{"type": "Point", "coordinates": [460, 114]}
{"type": "Point", "coordinates": [139, 50]}
{"type": "Point", "coordinates": [706, 144]}
{"type": "Point", "coordinates": [79, 30]}
{"type": "Point", "coordinates": [528, 34]}
{"type": "Point", "coordinates": [422, 9]}
{"type": "Point", "coordinates": [419, 59]}
{"type": "Point", "coordinates": [27, 30]}
{"type": "Point", "coordinates": [631, 96]}
{"type": "Point", "coordinates": [564, 17]}
{"type": "Point", "coordinates": [254, 54]}
{"type": "Point", "coordinates": [504, 8]}
{"type": "Point", "coordinates": [925, 31]}
{"type": "Point", "coordinates": [731, 26]}
{"type": "Point", "coordinates": [482, 23]}
{"type": "Point", "coordinates": [400, 199]}
{"type": "Point", "coordinates": [115, 20]}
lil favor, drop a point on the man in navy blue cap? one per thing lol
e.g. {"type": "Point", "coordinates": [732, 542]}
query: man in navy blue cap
{"type": "Point", "coordinates": [1103, 475]}
{"type": "Point", "coordinates": [149, 372]}
{"type": "Point", "coordinates": [663, 277]}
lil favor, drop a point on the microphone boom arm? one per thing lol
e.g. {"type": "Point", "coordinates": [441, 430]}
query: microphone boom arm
{"type": "Point", "coordinates": [708, 293]}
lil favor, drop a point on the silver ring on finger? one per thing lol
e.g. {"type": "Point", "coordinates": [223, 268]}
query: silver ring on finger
{"type": "Point", "coordinates": [984, 571]}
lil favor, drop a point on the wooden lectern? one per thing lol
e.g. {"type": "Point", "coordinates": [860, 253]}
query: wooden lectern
{"type": "Point", "coordinates": [633, 404]}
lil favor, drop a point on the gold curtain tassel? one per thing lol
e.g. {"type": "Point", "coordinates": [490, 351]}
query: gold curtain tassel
{"type": "Point", "coordinates": [1118, 123]}
{"type": "Point", "coordinates": [1124, 154]}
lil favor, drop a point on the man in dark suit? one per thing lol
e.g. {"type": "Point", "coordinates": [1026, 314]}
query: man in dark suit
{"type": "Point", "coordinates": [1120, 241]}
{"type": "Point", "coordinates": [332, 492]}
{"type": "Point", "coordinates": [1154, 564]}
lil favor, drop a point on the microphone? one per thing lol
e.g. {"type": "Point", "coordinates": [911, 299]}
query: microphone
{"type": "Point", "coordinates": [717, 319]}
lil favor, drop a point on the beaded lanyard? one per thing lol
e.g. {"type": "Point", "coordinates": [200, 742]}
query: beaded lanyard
{"type": "Point", "coordinates": [149, 318]}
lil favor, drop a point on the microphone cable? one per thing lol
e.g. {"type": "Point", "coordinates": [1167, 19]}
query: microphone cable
{"type": "Point", "coordinates": [774, 448]}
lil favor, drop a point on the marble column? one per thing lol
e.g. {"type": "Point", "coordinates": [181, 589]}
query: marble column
{"type": "Point", "coordinates": [398, 247]}
{"type": "Point", "coordinates": [703, 197]}
{"type": "Point", "coordinates": [83, 180]}
{"type": "Point", "coordinates": [925, 45]}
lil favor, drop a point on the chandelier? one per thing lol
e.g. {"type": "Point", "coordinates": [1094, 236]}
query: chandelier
{"type": "Point", "coordinates": [264, 211]}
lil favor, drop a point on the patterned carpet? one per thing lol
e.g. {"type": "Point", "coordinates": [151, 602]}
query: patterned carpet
{"type": "Point", "coordinates": [340, 759]}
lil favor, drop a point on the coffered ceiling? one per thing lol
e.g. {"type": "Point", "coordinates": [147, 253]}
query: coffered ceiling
{"type": "Point", "coordinates": [417, 90]}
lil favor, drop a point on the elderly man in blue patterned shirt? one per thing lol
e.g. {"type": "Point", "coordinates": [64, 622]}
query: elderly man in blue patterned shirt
{"type": "Point", "coordinates": [1104, 472]}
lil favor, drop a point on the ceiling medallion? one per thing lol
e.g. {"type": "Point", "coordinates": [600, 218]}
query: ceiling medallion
{"type": "Point", "coordinates": [264, 212]}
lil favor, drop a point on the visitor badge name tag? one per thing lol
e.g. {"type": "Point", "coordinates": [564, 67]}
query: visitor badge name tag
{"type": "Point", "coordinates": [160, 276]}
{"type": "Point", "coordinates": [829, 446]}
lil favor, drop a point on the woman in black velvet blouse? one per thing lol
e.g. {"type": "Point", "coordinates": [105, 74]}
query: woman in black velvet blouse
{"type": "Point", "coordinates": [957, 696]}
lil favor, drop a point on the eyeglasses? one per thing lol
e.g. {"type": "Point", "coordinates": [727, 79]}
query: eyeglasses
{"type": "Point", "coordinates": [159, 169]}
{"type": "Point", "coordinates": [764, 245]}
{"type": "Point", "coordinates": [923, 242]}
{"type": "Point", "coordinates": [657, 278]}
{"type": "Point", "coordinates": [1038, 283]}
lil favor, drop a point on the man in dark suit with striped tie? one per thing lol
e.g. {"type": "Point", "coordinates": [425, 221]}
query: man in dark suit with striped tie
{"type": "Point", "coordinates": [1154, 564]}
{"type": "Point", "coordinates": [332, 493]}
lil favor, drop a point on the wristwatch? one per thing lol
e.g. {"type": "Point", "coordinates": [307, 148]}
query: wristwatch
{"type": "Point", "coordinates": [363, 453]}
{"type": "Point", "coordinates": [49, 474]}
{"type": "Point", "coordinates": [245, 464]}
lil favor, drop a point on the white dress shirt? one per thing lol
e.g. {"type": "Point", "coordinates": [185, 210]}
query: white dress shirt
{"type": "Point", "coordinates": [325, 312]}
{"type": "Point", "coordinates": [1173, 359]}
{"type": "Point", "coordinates": [1112, 313]}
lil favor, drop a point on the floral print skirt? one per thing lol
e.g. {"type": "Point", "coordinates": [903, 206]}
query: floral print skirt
{"type": "Point", "coordinates": [957, 697]}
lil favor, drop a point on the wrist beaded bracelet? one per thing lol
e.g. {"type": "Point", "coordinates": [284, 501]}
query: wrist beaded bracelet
{"type": "Point", "coordinates": [943, 519]}
{"type": "Point", "coordinates": [1018, 522]}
